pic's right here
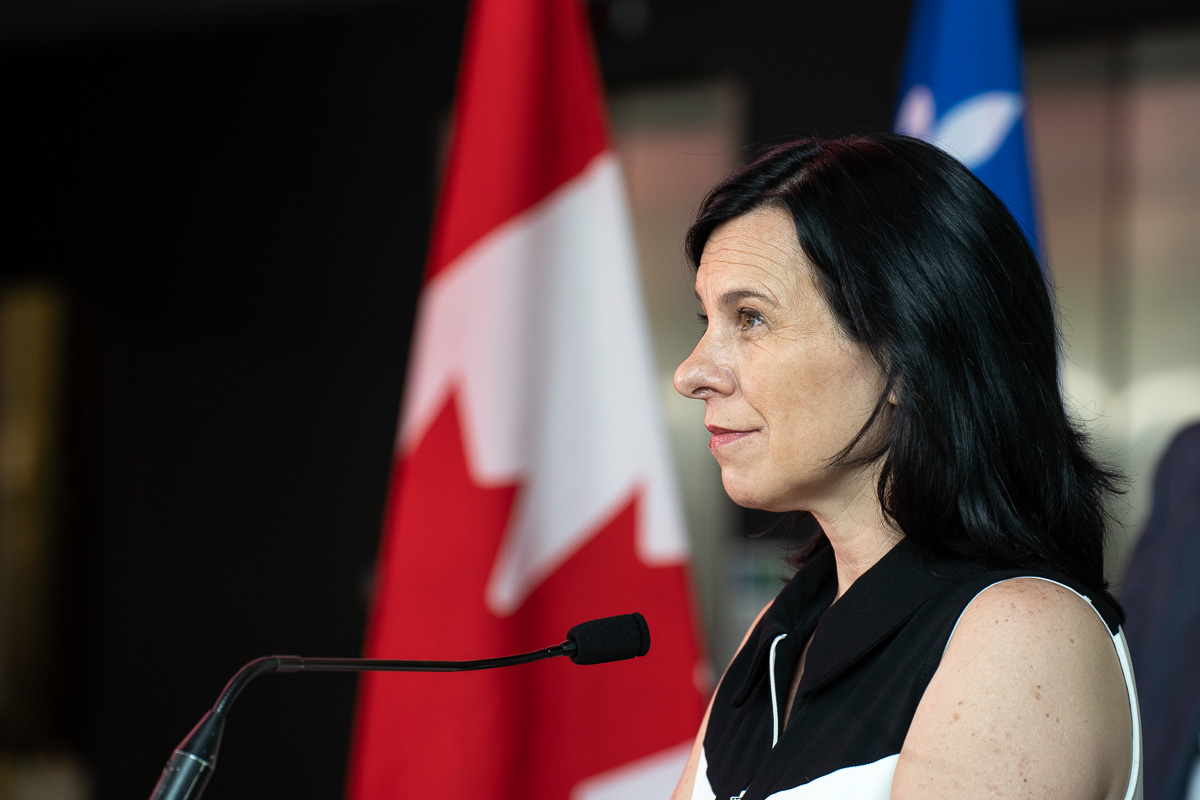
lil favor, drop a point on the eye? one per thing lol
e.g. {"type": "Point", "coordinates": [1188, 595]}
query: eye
{"type": "Point", "coordinates": [702, 318]}
{"type": "Point", "coordinates": [749, 318]}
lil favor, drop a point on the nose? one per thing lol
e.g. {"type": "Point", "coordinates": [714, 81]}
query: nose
{"type": "Point", "coordinates": [701, 376]}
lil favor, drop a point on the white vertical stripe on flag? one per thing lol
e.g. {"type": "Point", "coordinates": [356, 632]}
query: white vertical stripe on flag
{"type": "Point", "coordinates": [540, 329]}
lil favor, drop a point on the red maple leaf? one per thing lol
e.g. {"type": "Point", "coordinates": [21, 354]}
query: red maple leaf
{"type": "Point", "coordinates": [532, 731]}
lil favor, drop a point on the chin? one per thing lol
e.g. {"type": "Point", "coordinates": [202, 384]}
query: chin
{"type": "Point", "coordinates": [749, 495]}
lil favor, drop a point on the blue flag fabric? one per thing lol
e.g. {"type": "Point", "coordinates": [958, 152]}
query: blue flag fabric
{"type": "Point", "coordinates": [962, 91]}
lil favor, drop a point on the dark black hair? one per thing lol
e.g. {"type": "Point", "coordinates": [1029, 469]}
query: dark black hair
{"type": "Point", "coordinates": [925, 267]}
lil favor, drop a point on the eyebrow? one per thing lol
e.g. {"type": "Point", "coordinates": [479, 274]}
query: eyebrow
{"type": "Point", "coordinates": [738, 295]}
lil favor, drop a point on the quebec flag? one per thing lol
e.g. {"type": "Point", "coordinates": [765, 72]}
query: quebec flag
{"type": "Point", "coordinates": [962, 92]}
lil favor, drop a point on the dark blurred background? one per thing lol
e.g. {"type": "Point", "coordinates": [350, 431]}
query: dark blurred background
{"type": "Point", "coordinates": [228, 204]}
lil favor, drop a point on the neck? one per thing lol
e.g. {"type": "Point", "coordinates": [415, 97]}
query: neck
{"type": "Point", "coordinates": [854, 557]}
{"type": "Point", "coordinates": [859, 533]}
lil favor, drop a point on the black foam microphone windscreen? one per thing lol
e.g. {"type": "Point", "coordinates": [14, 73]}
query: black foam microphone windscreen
{"type": "Point", "coordinates": [610, 639]}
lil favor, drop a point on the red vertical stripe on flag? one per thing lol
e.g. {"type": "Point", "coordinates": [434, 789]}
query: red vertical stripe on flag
{"type": "Point", "coordinates": [509, 517]}
{"type": "Point", "coordinates": [528, 117]}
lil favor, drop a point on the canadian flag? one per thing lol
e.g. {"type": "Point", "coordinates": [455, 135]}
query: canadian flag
{"type": "Point", "coordinates": [532, 488]}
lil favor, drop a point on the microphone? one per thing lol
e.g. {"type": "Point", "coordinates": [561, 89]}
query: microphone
{"type": "Point", "coordinates": [609, 639]}
{"type": "Point", "coordinates": [191, 765]}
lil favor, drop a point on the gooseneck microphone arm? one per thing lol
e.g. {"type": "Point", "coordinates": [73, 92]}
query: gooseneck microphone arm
{"type": "Point", "coordinates": [191, 765]}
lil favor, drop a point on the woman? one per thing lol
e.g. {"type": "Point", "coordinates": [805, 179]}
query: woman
{"type": "Point", "coordinates": [880, 352]}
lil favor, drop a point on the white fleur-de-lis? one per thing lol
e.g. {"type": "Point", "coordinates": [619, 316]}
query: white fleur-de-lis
{"type": "Point", "coordinates": [972, 131]}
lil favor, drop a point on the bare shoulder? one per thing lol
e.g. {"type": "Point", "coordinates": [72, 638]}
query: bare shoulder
{"type": "Point", "coordinates": [1029, 701]}
{"type": "Point", "coordinates": [1032, 607]}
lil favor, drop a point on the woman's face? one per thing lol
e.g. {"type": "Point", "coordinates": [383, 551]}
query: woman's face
{"type": "Point", "coordinates": [784, 389]}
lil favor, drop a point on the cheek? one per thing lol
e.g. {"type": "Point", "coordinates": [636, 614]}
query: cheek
{"type": "Point", "coordinates": [813, 408]}
{"type": "Point", "coordinates": [802, 388]}
{"type": "Point", "coordinates": [791, 402]}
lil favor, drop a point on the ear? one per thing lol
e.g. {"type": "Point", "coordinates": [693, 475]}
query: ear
{"type": "Point", "coordinates": [893, 397]}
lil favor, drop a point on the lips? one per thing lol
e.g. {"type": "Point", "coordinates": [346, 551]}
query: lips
{"type": "Point", "coordinates": [723, 436]}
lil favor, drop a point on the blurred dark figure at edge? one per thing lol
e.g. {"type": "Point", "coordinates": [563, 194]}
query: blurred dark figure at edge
{"type": "Point", "coordinates": [1161, 594]}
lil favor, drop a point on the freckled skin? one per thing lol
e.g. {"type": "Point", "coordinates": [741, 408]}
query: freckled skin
{"type": "Point", "coordinates": [1064, 735]}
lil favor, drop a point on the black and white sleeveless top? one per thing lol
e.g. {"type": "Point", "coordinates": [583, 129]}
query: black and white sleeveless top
{"type": "Point", "coordinates": [871, 657]}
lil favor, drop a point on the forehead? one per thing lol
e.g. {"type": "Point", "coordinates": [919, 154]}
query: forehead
{"type": "Point", "coordinates": [756, 251]}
